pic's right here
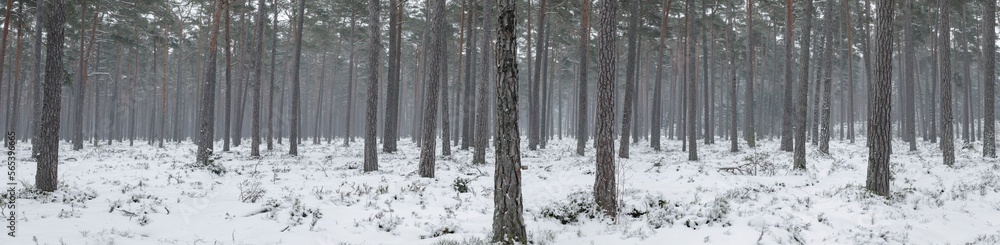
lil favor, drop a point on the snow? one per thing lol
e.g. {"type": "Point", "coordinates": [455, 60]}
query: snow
{"type": "Point", "coordinates": [145, 195]}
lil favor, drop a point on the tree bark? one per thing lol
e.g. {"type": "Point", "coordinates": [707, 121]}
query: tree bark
{"type": "Point", "coordinates": [427, 148]}
{"type": "Point", "coordinates": [374, 50]}
{"type": "Point", "coordinates": [534, 105]}
{"type": "Point", "coordinates": [391, 132]}
{"type": "Point", "coordinates": [827, 82]}
{"type": "Point", "coordinates": [46, 177]}
{"type": "Point", "coordinates": [801, 96]}
{"type": "Point", "coordinates": [605, 189]}
{"type": "Point", "coordinates": [944, 60]}
{"type": "Point", "coordinates": [989, 79]}
{"type": "Point", "coordinates": [482, 136]}
{"type": "Point", "coordinates": [272, 86]}
{"type": "Point", "coordinates": [789, 107]}
{"type": "Point", "coordinates": [293, 136]}
{"type": "Point", "coordinates": [630, 77]}
{"type": "Point", "coordinates": [692, 88]}
{"type": "Point", "coordinates": [879, 126]}
{"type": "Point", "coordinates": [657, 113]}
{"type": "Point", "coordinates": [508, 220]}
{"type": "Point", "coordinates": [909, 106]}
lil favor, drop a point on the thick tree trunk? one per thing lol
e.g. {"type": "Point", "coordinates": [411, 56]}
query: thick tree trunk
{"type": "Point", "coordinates": [46, 177]}
{"type": "Point", "coordinates": [427, 148]}
{"type": "Point", "coordinates": [508, 220]}
{"type": "Point", "coordinates": [605, 186]}
{"type": "Point", "coordinates": [879, 126]}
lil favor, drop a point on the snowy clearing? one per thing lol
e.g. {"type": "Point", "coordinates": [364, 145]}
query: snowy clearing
{"type": "Point", "coordinates": [145, 195]}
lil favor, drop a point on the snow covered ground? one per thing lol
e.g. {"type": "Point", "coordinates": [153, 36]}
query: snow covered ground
{"type": "Point", "coordinates": [145, 195]}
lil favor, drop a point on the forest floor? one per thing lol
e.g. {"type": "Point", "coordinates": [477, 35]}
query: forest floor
{"type": "Point", "coordinates": [145, 195]}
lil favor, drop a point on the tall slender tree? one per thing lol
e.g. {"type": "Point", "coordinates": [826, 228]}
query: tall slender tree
{"type": "Point", "coordinates": [272, 86]}
{"type": "Point", "coordinates": [583, 51]}
{"type": "Point", "coordinates": [258, 68]}
{"type": "Point", "coordinates": [692, 86]}
{"type": "Point", "coordinates": [206, 129]}
{"type": "Point", "coordinates": [989, 79]}
{"type": "Point", "coordinates": [374, 51]}
{"type": "Point", "coordinates": [427, 145]}
{"type": "Point", "coordinates": [944, 56]}
{"type": "Point", "coordinates": [293, 133]}
{"type": "Point", "coordinates": [390, 135]}
{"type": "Point", "coordinates": [826, 85]}
{"type": "Point", "coordinates": [630, 77]}
{"type": "Point", "coordinates": [879, 126]}
{"type": "Point", "coordinates": [657, 113]}
{"type": "Point", "coordinates": [909, 105]}
{"type": "Point", "coordinates": [751, 133]}
{"type": "Point", "coordinates": [802, 95]}
{"type": "Point", "coordinates": [789, 107]}
{"type": "Point", "coordinates": [605, 189]}
{"type": "Point", "coordinates": [482, 136]}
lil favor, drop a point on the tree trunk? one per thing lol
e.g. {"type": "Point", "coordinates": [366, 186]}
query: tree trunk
{"type": "Point", "coordinates": [46, 177]}
{"type": "Point", "coordinates": [751, 135]}
{"type": "Point", "coordinates": [534, 105]}
{"type": "Point", "coordinates": [374, 50]}
{"type": "Point", "coordinates": [801, 98]}
{"type": "Point", "coordinates": [427, 148]}
{"type": "Point", "coordinates": [909, 106]}
{"type": "Point", "coordinates": [508, 220]}
{"type": "Point", "coordinates": [826, 87]}
{"type": "Point", "coordinates": [468, 105]}
{"type": "Point", "coordinates": [944, 60]}
{"type": "Point", "coordinates": [36, 78]}
{"type": "Point", "coordinates": [733, 99]}
{"type": "Point", "coordinates": [692, 88]}
{"type": "Point", "coordinates": [630, 77]}
{"type": "Point", "coordinates": [605, 186]}
{"type": "Point", "coordinates": [582, 102]}
{"type": "Point", "coordinates": [789, 108]}
{"type": "Point", "coordinates": [293, 133]}
{"type": "Point", "coordinates": [226, 130]}
{"type": "Point", "coordinates": [879, 126]}
{"type": "Point", "coordinates": [350, 88]}
{"type": "Point", "coordinates": [989, 80]}
{"type": "Point", "coordinates": [272, 86]}
{"type": "Point", "coordinates": [482, 136]}
{"type": "Point", "coordinates": [258, 65]}
{"type": "Point", "coordinates": [391, 132]}
{"type": "Point", "coordinates": [657, 113]}
{"type": "Point", "coordinates": [81, 86]}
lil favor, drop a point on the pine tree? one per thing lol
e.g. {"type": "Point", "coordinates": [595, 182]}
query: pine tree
{"type": "Point", "coordinates": [482, 137]}
{"type": "Point", "coordinates": [802, 95]}
{"type": "Point", "coordinates": [508, 219]}
{"type": "Point", "coordinates": [944, 60]}
{"type": "Point", "coordinates": [989, 79]}
{"type": "Point", "coordinates": [605, 189]}
{"type": "Point", "coordinates": [391, 131]}
{"type": "Point", "coordinates": [293, 133]}
{"type": "Point", "coordinates": [427, 145]}
{"type": "Point", "coordinates": [46, 177]}
{"type": "Point", "coordinates": [789, 107]}
{"type": "Point", "coordinates": [879, 126]}
{"type": "Point", "coordinates": [657, 113]}
{"type": "Point", "coordinates": [584, 52]}
{"type": "Point", "coordinates": [374, 50]}
{"type": "Point", "coordinates": [630, 77]}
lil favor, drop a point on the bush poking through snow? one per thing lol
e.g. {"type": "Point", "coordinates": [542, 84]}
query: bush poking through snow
{"type": "Point", "coordinates": [756, 164]}
{"type": "Point", "coordinates": [461, 185]}
{"type": "Point", "coordinates": [578, 205]}
{"type": "Point", "coordinates": [251, 191]}
{"type": "Point", "coordinates": [300, 213]}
